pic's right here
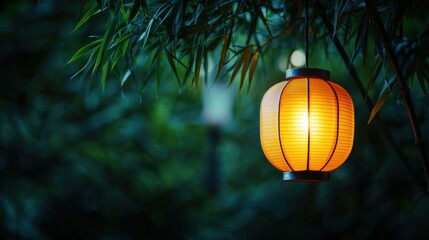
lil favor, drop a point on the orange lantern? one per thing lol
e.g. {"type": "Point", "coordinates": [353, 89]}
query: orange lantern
{"type": "Point", "coordinates": [307, 125]}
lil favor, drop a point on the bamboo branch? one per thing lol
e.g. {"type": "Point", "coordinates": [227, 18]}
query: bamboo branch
{"type": "Point", "coordinates": [405, 91]}
{"type": "Point", "coordinates": [285, 31]}
{"type": "Point", "coordinates": [353, 73]}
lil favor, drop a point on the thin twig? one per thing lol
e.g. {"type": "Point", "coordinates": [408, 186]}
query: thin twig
{"type": "Point", "coordinates": [405, 91]}
{"type": "Point", "coordinates": [285, 31]}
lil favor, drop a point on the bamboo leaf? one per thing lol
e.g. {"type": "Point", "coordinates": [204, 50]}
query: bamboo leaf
{"type": "Point", "coordinates": [103, 46]}
{"type": "Point", "coordinates": [125, 13]}
{"type": "Point", "coordinates": [150, 64]}
{"type": "Point", "coordinates": [88, 63]}
{"type": "Point", "coordinates": [361, 37]}
{"type": "Point", "coordinates": [179, 61]}
{"type": "Point", "coordinates": [134, 10]}
{"type": "Point", "coordinates": [236, 69]}
{"type": "Point", "coordinates": [338, 12]}
{"type": "Point", "coordinates": [145, 35]}
{"type": "Point", "coordinates": [125, 77]}
{"type": "Point", "coordinates": [216, 20]}
{"type": "Point", "coordinates": [253, 67]}
{"type": "Point", "coordinates": [188, 68]}
{"type": "Point", "coordinates": [158, 74]}
{"type": "Point", "coordinates": [173, 66]}
{"type": "Point", "coordinates": [200, 8]}
{"type": "Point", "coordinates": [84, 50]}
{"type": "Point", "coordinates": [162, 9]}
{"type": "Point", "coordinates": [252, 28]}
{"type": "Point", "coordinates": [378, 105]}
{"type": "Point", "coordinates": [226, 43]}
{"type": "Point", "coordinates": [214, 43]}
{"type": "Point", "coordinates": [381, 99]}
{"type": "Point", "coordinates": [377, 41]}
{"type": "Point", "coordinates": [116, 57]}
{"type": "Point", "coordinates": [125, 46]}
{"type": "Point", "coordinates": [121, 39]}
{"type": "Point", "coordinates": [247, 56]}
{"type": "Point", "coordinates": [104, 72]}
{"type": "Point", "coordinates": [264, 20]}
{"type": "Point", "coordinates": [178, 21]}
{"type": "Point", "coordinates": [166, 16]}
{"type": "Point", "coordinates": [91, 12]}
{"type": "Point", "coordinates": [198, 61]}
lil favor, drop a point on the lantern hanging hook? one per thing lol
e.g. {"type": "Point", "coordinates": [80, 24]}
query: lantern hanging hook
{"type": "Point", "coordinates": [306, 34]}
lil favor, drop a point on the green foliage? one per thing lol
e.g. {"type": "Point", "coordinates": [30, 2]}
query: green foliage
{"type": "Point", "coordinates": [178, 27]}
{"type": "Point", "coordinates": [193, 30]}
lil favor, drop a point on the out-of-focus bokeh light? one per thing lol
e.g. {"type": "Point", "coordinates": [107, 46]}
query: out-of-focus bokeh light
{"type": "Point", "coordinates": [297, 58]}
{"type": "Point", "coordinates": [217, 104]}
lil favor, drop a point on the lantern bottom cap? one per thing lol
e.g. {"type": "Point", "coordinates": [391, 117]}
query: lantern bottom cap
{"type": "Point", "coordinates": [306, 176]}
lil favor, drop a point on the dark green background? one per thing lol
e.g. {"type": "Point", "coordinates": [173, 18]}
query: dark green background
{"type": "Point", "coordinates": [80, 163]}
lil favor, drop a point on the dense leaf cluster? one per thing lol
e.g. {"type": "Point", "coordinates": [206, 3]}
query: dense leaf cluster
{"type": "Point", "coordinates": [141, 36]}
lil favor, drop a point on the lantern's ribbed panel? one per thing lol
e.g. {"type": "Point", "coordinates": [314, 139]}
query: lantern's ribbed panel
{"type": "Point", "coordinates": [312, 110]}
{"type": "Point", "coordinates": [294, 124]}
{"type": "Point", "coordinates": [269, 130]}
{"type": "Point", "coordinates": [346, 129]}
{"type": "Point", "coordinates": [323, 123]}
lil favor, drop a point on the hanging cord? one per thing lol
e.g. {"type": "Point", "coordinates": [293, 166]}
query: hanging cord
{"type": "Point", "coordinates": [306, 33]}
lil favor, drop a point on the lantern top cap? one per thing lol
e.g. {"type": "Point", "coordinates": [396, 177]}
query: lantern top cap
{"type": "Point", "coordinates": [307, 72]}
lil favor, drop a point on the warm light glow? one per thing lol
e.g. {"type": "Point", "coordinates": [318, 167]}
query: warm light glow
{"type": "Point", "coordinates": [307, 124]}
{"type": "Point", "coordinates": [304, 122]}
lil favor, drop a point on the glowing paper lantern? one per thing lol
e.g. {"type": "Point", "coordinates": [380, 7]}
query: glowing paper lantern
{"type": "Point", "coordinates": [307, 125]}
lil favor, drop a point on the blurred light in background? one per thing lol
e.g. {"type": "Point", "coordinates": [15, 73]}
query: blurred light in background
{"type": "Point", "coordinates": [297, 58]}
{"type": "Point", "coordinates": [218, 100]}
